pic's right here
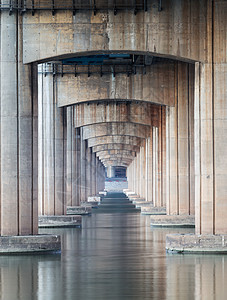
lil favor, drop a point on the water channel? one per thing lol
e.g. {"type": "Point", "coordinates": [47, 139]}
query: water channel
{"type": "Point", "coordinates": [113, 256]}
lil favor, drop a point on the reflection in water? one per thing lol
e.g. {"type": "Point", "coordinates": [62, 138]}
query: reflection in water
{"type": "Point", "coordinates": [113, 257]}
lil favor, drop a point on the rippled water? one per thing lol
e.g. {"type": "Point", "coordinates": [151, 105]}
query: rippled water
{"type": "Point", "coordinates": [113, 256]}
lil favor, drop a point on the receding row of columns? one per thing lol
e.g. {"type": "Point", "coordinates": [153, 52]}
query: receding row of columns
{"type": "Point", "coordinates": [163, 170]}
{"type": "Point", "coordinates": [69, 171]}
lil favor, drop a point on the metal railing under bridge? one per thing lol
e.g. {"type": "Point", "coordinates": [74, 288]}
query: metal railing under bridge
{"type": "Point", "coordinates": [77, 5]}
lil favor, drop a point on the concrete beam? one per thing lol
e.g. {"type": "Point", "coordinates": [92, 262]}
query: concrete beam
{"type": "Point", "coordinates": [116, 162]}
{"type": "Point", "coordinates": [115, 146]}
{"type": "Point", "coordinates": [116, 111]}
{"type": "Point", "coordinates": [83, 88]}
{"type": "Point", "coordinates": [106, 32]}
{"type": "Point", "coordinates": [116, 156]}
{"type": "Point", "coordinates": [116, 139]}
{"type": "Point", "coordinates": [116, 152]}
{"type": "Point", "coordinates": [126, 129]}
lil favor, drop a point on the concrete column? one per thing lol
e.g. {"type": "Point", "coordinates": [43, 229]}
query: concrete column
{"type": "Point", "coordinates": [150, 166]}
{"type": "Point", "coordinates": [19, 205]}
{"type": "Point", "coordinates": [180, 182]}
{"type": "Point", "coordinates": [78, 165]}
{"type": "Point", "coordinates": [68, 168]}
{"type": "Point", "coordinates": [138, 173]}
{"type": "Point", "coordinates": [111, 172]}
{"type": "Point", "coordinates": [51, 166]}
{"type": "Point", "coordinates": [88, 172]}
{"type": "Point", "coordinates": [71, 176]}
{"type": "Point", "coordinates": [82, 168]}
{"type": "Point", "coordinates": [163, 156]}
{"type": "Point", "coordinates": [156, 194]}
{"type": "Point", "coordinates": [93, 178]}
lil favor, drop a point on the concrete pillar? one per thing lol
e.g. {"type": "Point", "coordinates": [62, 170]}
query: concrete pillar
{"type": "Point", "coordinates": [163, 156]}
{"type": "Point", "coordinates": [82, 168]}
{"type": "Point", "coordinates": [180, 148]}
{"type": "Point", "coordinates": [19, 155]}
{"type": "Point", "coordinates": [138, 173]}
{"type": "Point", "coordinates": [71, 161]}
{"type": "Point", "coordinates": [51, 137]}
{"type": "Point", "coordinates": [156, 192]}
{"type": "Point", "coordinates": [93, 178]}
{"type": "Point", "coordinates": [150, 166]}
{"type": "Point", "coordinates": [210, 145]}
{"type": "Point", "coordinates": [111, 172]}
{"type": "Point", "coordinates": [88, 165]}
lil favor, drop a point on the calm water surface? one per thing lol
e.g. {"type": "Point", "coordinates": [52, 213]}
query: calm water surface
{"type": "Point", "coordinates": [113, 256]}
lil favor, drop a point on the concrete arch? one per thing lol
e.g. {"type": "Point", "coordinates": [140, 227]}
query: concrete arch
{"type": "Point", "coordinates": [116, 111]}
{"type": "Point", "coordinates": [116, 164]}
{"type": "Point", "coordinates": [156, 86]}
{"type": "Point", "coordinates": [126, 129]}
{"type": "Point", "coordinates": [116, 139]}
{"type": "Point", "coordinates": [116, 161]}
{"type": "Point", "coordinates": [116, 156]}
{"type": "Point", "coordinates": [115, 146]}
{"type": "Point", "coordinates": [106, 32]}
{"type": "Point", "coordinates": [116, 152]}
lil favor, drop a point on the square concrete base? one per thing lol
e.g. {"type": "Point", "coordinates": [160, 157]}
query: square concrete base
{"type": "Point", "coordinates": [30, 244]}
{"type": "Point", "coordinates": [59, 221]}
{"type": "Point", "coordinates": [190, 243]}
{"type": "Point", "coordinates": [149, 210]}
{"type": "Point", "coordinates": [78, 210]}
{"type": "Point", "coordinates": [173, 221]}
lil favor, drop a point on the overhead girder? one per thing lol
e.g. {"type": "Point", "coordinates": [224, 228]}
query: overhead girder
{"type": "Point", "coordinates": [116, 156]}
{"type": "Point", "coordinates": [116, 146]}
{"type": "Point", "coordinates": [116, 152]}
{"type": "Point", "coordinates": [117, 161]}
{"type": "Point", "coordinates": [115, 139]}
{"type": "Point", "coordinates": [149, 87]}
{"type": "Point", "coordinates": [116, 111]}
{"type": "Point", "coordinates": [117, 164]}
{"type": "Point", "coordinates": [103, 129]}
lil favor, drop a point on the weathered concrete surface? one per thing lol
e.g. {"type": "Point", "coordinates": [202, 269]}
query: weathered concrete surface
{"type": "Point", "coordinates": [120, 128]}
{"type": "Point", "coordinates": [179, 30]}
{"type": "Point", "coordinates": [59, 221]}
{"type": "Point", "coordinates": [173, 221]}
{"type": "Point", "coordinates": [19, 126]}
{"type": "Point", "coordinates": [51, 151]}
{"type": "Point", "coordinates": [116, 146]}
{"type": "Point", "coordinates": [115, 139]}
{"type": "Point", "coordinates": [115, 111]}
{"type": "Point", "coordinates": [156, 86]}
{"type": "Point", "coordinates": [78, 210]}
{"type": "Point", "coordinates": [103, 153]}
{"type": "Point", "coordinates": [30, 244]}
{"type": "Point", "coordinates": [115, 157]}
{"type": "Point", "coordinates": [190, 243]}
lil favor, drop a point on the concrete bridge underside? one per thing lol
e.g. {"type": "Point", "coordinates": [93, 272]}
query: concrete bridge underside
{"type": "Point", "coordinates": [152, 86]}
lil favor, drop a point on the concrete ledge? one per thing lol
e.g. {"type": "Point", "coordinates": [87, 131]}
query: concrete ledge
{"type": "Point", "coordinates": [30, 244]}
{"type": "Point", "coordinates": [94, 199]}
{"type": "Point", "coordinates": [173, 221]}
{"type": "Point", "coordinates": [93, 204]}
{"type": "Point", "coordinates": [141, 203]}
{"type": "Point", "coordinates": [190, 243]}
{"type": "Point", "coordinates": [149, 210]}
{"type": "Point", "coordinates": [59, 221]}
{"type": "Point", "coordinates": [78, 210]}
